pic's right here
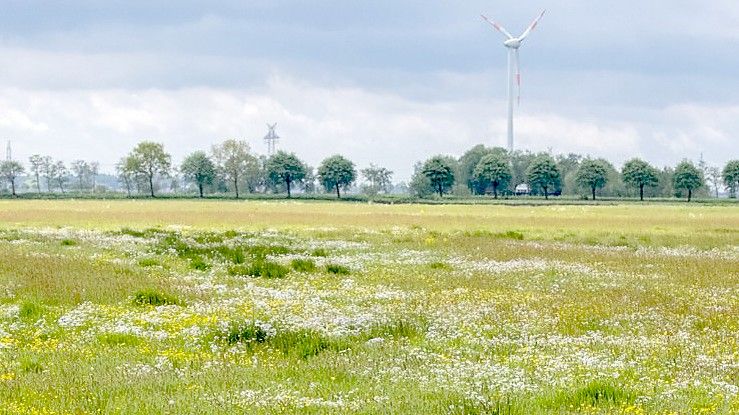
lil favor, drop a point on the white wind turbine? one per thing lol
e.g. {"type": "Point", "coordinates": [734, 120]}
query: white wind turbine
{"type": "Point", "coordinates": [513, 43]}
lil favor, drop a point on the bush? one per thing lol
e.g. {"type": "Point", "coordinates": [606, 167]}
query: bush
{"type": "Point", "coordinates": [337, 269]}
{"type": "Point", "coordinates": [246, 333]}
{"type": "Point", "coordinates": [151, 297]}
{"type": "Point", "coordinates": [303, 265]}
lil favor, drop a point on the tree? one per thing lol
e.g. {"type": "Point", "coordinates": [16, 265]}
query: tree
{"type": "Point", "coordinates": [731, 177]}
{"type": "Point", "coordinates": [234, 162]}
{"type": "Point", "coordinates": [198, 168]}
{"type": "Point", "coordinates": [94, 171]}
{"type": "Point", "coordinates": [150, 160]}
{"type": "Point", "coordinates": [639, 173]}
{"type": "Point", "coordinates": [379, 179]}
{"type": "Point", "coordinates": [59, 173]}
{"type": "Point", "coordinates": [126, 173]}
{"type": "Point", "coordinates": [47, 167]}
{"type": "Point", "coordinates": [543, 173]}
{"type": "Point", "coordinates": [592, 174]}
{"type": "Point", "coordinates": [37, 165]}
{"type": "Point", "coordinates": [493, 170]}
{"type": "Point", "coordinates": [713, 176]}
{"type": "Point", "coordinates": [465, 173]}
{"type": "Point", "coordinates": [440, 172]}
{"type": "Point", "coordinates": [687, 177]}
{"type": "Point", "coordinates": [336, 172]}
{"type": "Point", "coordinates": [10, 170]}
{"type": "Point", "coordinates": [420, 185]}
{"type": "Point", "coordinates": [80, 169]}
{"type": "Point", "coordinates": [286, 168]}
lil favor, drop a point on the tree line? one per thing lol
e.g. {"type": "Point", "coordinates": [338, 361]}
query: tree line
{"type": "Point", "coordinates": [231, 167]}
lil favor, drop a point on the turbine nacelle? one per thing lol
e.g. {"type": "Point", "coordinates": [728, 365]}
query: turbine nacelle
{"type": "Point", "coordinates": [513, 43]}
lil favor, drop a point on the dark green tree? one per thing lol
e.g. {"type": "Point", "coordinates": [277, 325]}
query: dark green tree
{"type": "Point", "coordinates": [286, 168]}
{"type": "Point", "coordinates": [543, 173]}
{"type": "Point", "coordinates": [199, 169]}
{"type": "Point", "coordinates": [493, 170]}
{"type": "Point", "coordinates": [592, 174]}
{"type": "Point", "coordinates": [639, 173]}
{"type": "Point", "coordinates": [731, 176]}
{"type": "Point", "coordinates": [335, 173]}
{"type": "Point", "coordinates": [465, 173]}
{"type": "Point", "coordinates": [440, 172]}
{"type": "Point", "coordinates": [687, 177]}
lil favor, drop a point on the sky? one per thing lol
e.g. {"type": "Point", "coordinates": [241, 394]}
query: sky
{"type": "Point", "coordinates": [383, 82]}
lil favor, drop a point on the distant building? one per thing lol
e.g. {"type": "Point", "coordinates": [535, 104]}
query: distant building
{"type": "Point", "coordinates": [522, 190]}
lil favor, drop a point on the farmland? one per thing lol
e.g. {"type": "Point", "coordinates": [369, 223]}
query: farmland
{"type": "Point", "coordinates": [318, 307]}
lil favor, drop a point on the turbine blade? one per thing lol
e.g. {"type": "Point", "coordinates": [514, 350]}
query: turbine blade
{"type": "Point", "coordinates": [498, 27]}
{"type": "Point", "coordinates": [532, 26]}
{"type": "Point", "coordinates": [518, 76]}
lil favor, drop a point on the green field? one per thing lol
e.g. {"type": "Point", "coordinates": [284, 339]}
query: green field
{"type": "Point", "coordinates": [175, 307]}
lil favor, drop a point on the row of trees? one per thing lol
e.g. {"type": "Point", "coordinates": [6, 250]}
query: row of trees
{"type": "Point", "coordinates": [230, 166]}
{"type": "Point", "coordinates": [494, 171]}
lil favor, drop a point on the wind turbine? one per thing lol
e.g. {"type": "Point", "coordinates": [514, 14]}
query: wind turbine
{"type": "Point", "coordinates": [513, 43]}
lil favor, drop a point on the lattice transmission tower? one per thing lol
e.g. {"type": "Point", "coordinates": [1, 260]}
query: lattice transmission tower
{"type": "Point", "coordinates": [271, 139]}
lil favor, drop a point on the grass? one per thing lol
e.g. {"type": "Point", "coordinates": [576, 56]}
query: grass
{"type": "Point", "coordinates": [623, 309]}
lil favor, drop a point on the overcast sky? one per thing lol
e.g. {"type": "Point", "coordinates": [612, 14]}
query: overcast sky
{"type": "Point", "coordinates": [389, 82]}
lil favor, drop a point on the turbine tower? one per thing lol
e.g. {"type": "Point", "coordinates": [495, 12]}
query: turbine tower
{"type": "Point", "coordinates": [8, 152]}
{"type": "Point", "coordinates": [271, 139]}
{"type": "Point", "coordinates": [513, 44]}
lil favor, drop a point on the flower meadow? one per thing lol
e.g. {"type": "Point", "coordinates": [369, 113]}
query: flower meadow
{"type": "Point", "coordinates": [371, 318]}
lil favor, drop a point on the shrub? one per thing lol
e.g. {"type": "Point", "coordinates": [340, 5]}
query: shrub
{"type": "Point", "coordinates": [303, 265]}
{"type": "Point", "coordinates": [246, 333]}
{"type": "Point", "coordinates": [337, 269]}
{"type": "Point", "coordinates": [151, 297]}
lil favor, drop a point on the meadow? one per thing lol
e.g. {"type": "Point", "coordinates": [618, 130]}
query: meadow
{"type": "Point", "coordinates": [268, 307]}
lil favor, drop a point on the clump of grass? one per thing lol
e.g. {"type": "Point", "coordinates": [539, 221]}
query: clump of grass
{"type": "Point", "coordinates": [149, 262]}
{"type": "Point", "coordinates": [246, 333]}
{"type": "Point", "coordinates": [319, 252]}
{"type": "Point", "coordinates": [337, 269]}
{"type": "Point", "coordinates": [118, 339]}
{"type": "Point", "coordinates": [197, 263]}
{"type": "Point", "coordinates": [262, 251]}
{"type": "Point", "coordinates": [264, 269]}
{"type": "Point", "coordinates": [515, 235]}
{"type": "Point", "coordinates": [230, 234]}
{"type": "Point", "coordinates": [306, 343]}
{"type": "Point", "coordinates": [151, 297]}
{"type": "Point", "coordinates": [303, 265]}
{"type": "Point", "coordinates": [30, 311]}
{"type": "Point", "coordinates": [441, 266]}
{"type": "Point", "coordinates": [68, 242]}
{"type": "Point", "coordinates": [31, 365]}
{"type": "Point", "coordinates": [397, 329]}
{"type": "Point", "coordinates": [594, 394]}
{"type": "Point", "coordinates": [208, 238]}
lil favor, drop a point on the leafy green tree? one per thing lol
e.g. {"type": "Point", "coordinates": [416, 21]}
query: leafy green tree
{"type": "Point", "coordinates": [125, 173]}
{"type": "Point", "coordinates": [465, 173]}
{"type": "Point", "coordinates": [440, 172]}
{"type": "Point", "coordinates": [236, 164]}
{"type": "Point", "coordinates": [420, 185]}
{"type": "Point", "coordinates": [150, 160]}
{"type": "Point", "coordinates": [10, 170]}
{"type": "Point", "coordinates": [379, 179]}
{"type": "Point", "coordinates": [336, 172]}
{"type": "Point", "coordinates": [543, 173]}
{"type": "Point", "coordinates": [592, 174]}
{"type": "Point", "coordinates": [639, 173]}
{"type": "Point", "coordinates": [46, 170]}
{"type": "Point", "coordinates": [81, 169]}
{"type": "Point", "coordinates": [199, 169]}
{"type": "Point", "coordinates": [687, 177]}
{"type": "Point", "coordinates": [286, 168]}
{"type": "Point", "coordinates": [37, 164]}
{"type": "Point", "coordinates": [731, 177]}
{"type": "Point", "coordinates": [494, 170]}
